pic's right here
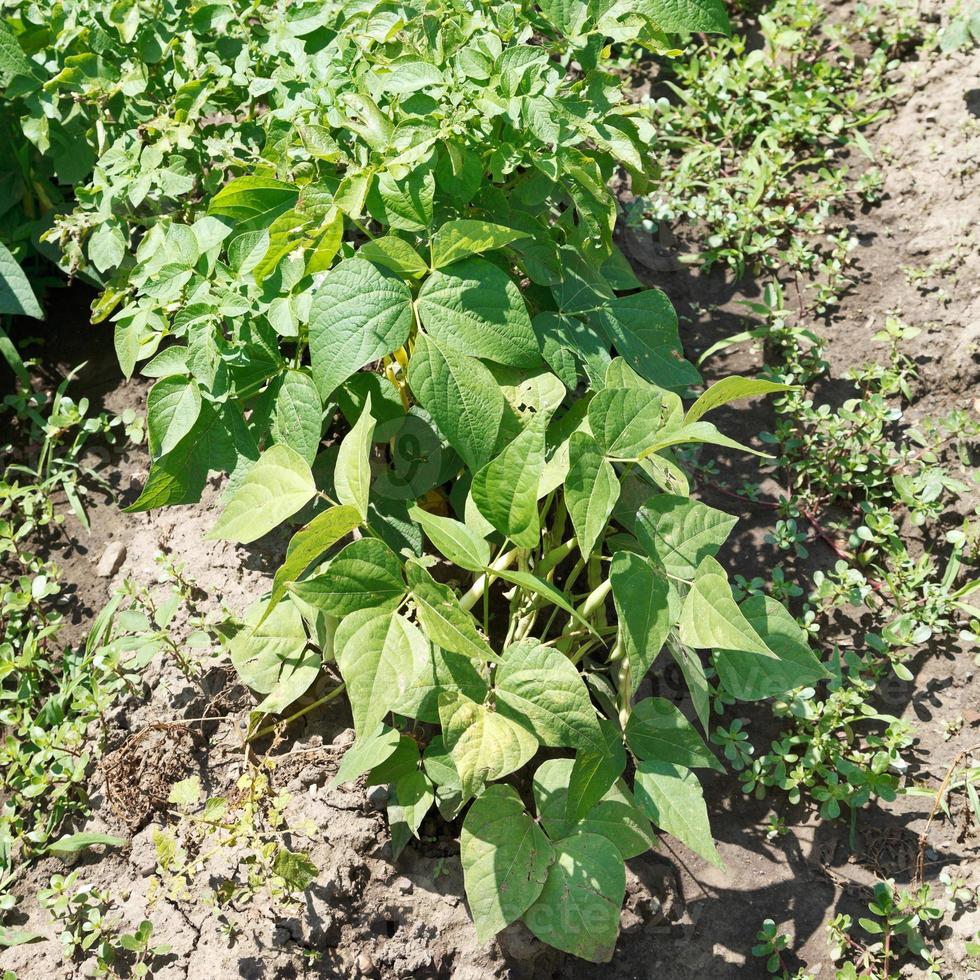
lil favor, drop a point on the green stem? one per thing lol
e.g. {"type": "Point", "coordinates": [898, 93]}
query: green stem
{"type": "Point", "coordinates": [361, 227]}
{"type": "Point", "coordinates": [328, 697]}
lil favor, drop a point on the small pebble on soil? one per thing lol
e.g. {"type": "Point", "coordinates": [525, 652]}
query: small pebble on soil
{"type": "Point", "coordinates": [111, 560]}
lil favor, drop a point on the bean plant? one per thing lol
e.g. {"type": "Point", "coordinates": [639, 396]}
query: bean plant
{"type": "Point", "coordinates": [394, 313]}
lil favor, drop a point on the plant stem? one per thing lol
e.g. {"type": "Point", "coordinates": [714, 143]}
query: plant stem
{"type": "Point", "coordinates": [328, 697]}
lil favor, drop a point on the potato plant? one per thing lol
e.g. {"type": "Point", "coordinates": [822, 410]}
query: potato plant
{"type": "Point", "coordinates": [403, 322]}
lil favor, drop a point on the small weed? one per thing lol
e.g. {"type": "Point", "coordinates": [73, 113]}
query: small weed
{"type": "Point", "coordinates": [752, 140]}
{"type": "Point", "coordinates": [962, 31]}
{"type": "Point", "coordinates": [51, 694]}
{"type": "Point", "coordinates": [248, 828]}
{"type": "Point", "coordinates": [770, 944]}
{"type": "Point", "coordinates": [82, 913]}
{"type": "Point", "coordinates": [856, 478]}
{"type": "Point", "coordinates": [902, 927]}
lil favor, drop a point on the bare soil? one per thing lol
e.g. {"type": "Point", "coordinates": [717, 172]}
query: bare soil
{"type": "Point", "coordinates": [683, 919]}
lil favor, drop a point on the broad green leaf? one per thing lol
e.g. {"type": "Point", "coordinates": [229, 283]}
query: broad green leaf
{"type": "Point", "coordinates": [679, 532]}
{"type": "Point", "coordinates": [352, 472]}
{"type": "Point", "coordinates": [127, 339]}
{"type": "Point", "coordinates": [462, 397]}
{"type": "Point", "coordinates": [704, 432]}
{"type": "Point", "coordinates": [295, 678]}
{"type": "Point", "coordinates": [245, 251]}
{"type": "Point", "coordinates": [619, 374]}
{"type": "Point", "coordinates": [294, 868]}
{"type": "Point", "coordinates": [626, 421]}
{"type": "Point", "coordinates": [541, 689]}
{"type": "Point", "coordinates": [391, 522]}
{"type": "Point", "coordinates": [16, 296]}
{"type": "Point", "coordinates": [710, 618]}
{"type": "Point", "coordinates": [672, 798]}
{"type": "Point", "coordinates": [569, 16]}
{"type": "Point", "coordinates": [404, 760]}
{"type": "Point", "coordinates": [366, 574]}
{"type": "Point", "coordinates": [475, 307]}
{"type": "Point", "coordinates": [695, 678]}
{"type": "Point", "coordinates": [730, 389]}
{"type": "Point", "coordinates": [378, 654]}
{"type": "Point", "coordinates": [665, 474]}
{"type": "Point", "coordinates": [326, 247]}
{"type": "Point", "coordinates": [320, 628]}
{"type": "Point", "coordinates": [16, 364]}
{"type": "Point", "coordinates": [386, 404]}
{"type": "Point", "coordinates": [218, 441]}
{"type": "Point", "coordinates": [505, 857]}
{"type": "Point", "coordinates": [454, 540]}
{"type": "Point", "coordinates": [353, 190]}
{"type": "Point", "coordinates": [308, 543]}
{"type": "Point", "coordinates": [394, 254]}
{"type": "Point", "coordinates": [614, 816]}
{"type": "Point", "coordinates": [365, 754]}
{"type": "Point", "coordinates": [297, 416]}
{"type": "Point", "coordinates": [444, 672]}
{"type": "Point", "coordinates": [558, 445]}
{"type": "Point", "coordinates": [643, 328]}
{"type": "Point", "coordinates": [407, 75]}
{"type": "Point", "coordinates": [579, 907]}
{"type": "Point", "coordinates": [107, 247]}
{"type": "Point", "coordinates": [277, 486]}
{"type": "Point", "coordinates": [657, 731]}
{"type": "Point", "coordinates": [559, 336]}
{"type": "Point", "coordinates": [267, 644]}
{"type": "Point", "coordinates": [285, 234]}
{"type": "Point", "coordinates": [358, 315]}
{"type": "Point", "coordinates": [18, 937]}
{"type": "Point", "coordinates": [689, 16]}
{"type": "Point", "coordinates": [556, 353]}
{"type": "Point", "coordinates": [445, 622]}
{"type": "Point", "coordinates": [404, 203]}
{"type": "Point", "coordinates": [73, 843]}
{"type": "Point", "coordinates": [472, 517]}
{"type": "Point", "coordinates": [464, 237]}
{"type": "Point", "coordinates": [485, 746]}
{"type": "Point", "coordinates": [257, 200]}
{"type": "Point", "coordinates": [506, 489]}
{"type": "Point", "coordinates": [13, 61]}
{"type": "Point", "coordinates": [411, 799]}
{"type": "Point", "coordinates": [172, 407]}
{"type": "Point", "coordinates": [529, 390]}
{"type": "Point", "coordinates": [439, 767]}
{"type": "Point", "coordinates": [591, 490]}
{"type": "Point", "coordinates": [595, 772]}
{"type": "Point", "coordinates": [647, 608]}
{"type": "Point", "coordinates": [750, 677]}
{"type": "Point", "coordinates": [618, 272]}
